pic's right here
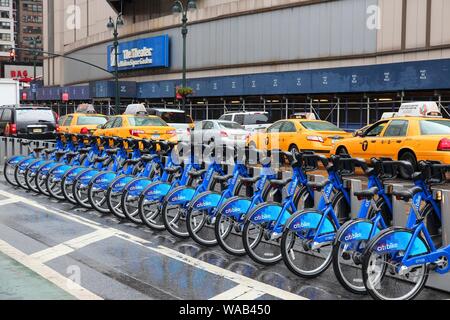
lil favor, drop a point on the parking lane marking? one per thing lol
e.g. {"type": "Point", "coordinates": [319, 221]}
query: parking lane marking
{"type": "Point", "coordinates": [9, 201]}
{"type": "Point", "coordinates": [51, 275]}
{"type": "Point", "coordinates": [199, 264]}
{"type": "Point", "coordinates": [71, 245]}
{"type": "Point", "coordinates": [239, 292]}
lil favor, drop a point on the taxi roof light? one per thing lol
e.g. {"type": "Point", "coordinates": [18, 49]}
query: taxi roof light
{"type": "Point", "coordinates": [419, 109]}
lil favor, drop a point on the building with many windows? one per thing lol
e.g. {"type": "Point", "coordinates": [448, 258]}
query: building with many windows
{"type": "Point", "coordinates": [346, 60]}
{"type": "Point", "coordinates": [29, 28]}
{"type": "Point", "coordinates": [7, 13]}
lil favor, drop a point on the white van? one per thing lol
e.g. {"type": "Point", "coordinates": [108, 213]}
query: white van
{"type": "Point", "coordinates": [251, 121]}
{"type": "Point", "coordinates": [176, 118]}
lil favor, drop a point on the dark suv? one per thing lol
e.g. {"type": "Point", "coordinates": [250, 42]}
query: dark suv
{"type": "Point", "coordinates": [29, 122]}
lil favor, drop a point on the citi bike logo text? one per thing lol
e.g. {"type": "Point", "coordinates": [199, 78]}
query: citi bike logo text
{"type": "Point", "coordinates": [179, 198]}
{"type": "Point", "coordinates": [387, 246]}
{"type": "Point", "coordinates": [352, 236]}
{"type": "Point", "coordinates": [154, 193]}
{"type": "Point", "coordinates": [204, 204]}
{"type": "Point", "coordinates": [233, 210]}
{"type": "Point", "coordinates": [262, 217]}
{"type": "Point", "coordinates": [303, 224]}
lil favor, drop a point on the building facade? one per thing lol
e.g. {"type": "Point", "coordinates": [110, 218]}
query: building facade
{"type": "Point", "coordinates": [346, 60]}
{"type": "Point", "coordinates": [29, 29]}
{"type": "Point", "coordinates": [7, 13]}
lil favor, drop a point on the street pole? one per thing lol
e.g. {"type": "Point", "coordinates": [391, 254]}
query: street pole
{"type": "Point", "coordinates": [184, 32]}
{"type": "Point", "coordinates": [116, 71]}
{"type": "Point", "coordinates": [34, 69]}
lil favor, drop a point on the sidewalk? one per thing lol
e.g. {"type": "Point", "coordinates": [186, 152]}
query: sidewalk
{"type": "Point", "coordinates": [19, 283]}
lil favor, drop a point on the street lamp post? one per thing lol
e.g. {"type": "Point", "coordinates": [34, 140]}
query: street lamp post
{"type": "Point", "coordinates": [179, 8]}
{"type": "Point", "coordinates": [35, 55]}
{"type": "Point", "coordinates": [114, 25]}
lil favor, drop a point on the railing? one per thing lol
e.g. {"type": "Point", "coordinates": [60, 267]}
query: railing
{"type": "Point", "coordinates": [11, 147]}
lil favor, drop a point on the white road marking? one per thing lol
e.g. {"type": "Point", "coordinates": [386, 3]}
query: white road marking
{"type": "Point", "coordinates": [71, 245]}
{"type": "Point", "coordinates": [46, 272]}
{"type": "Point", "coordinates": [9, 201]}
{"type": "Point", "coordinates": [239, 292]}
{"type": "Point", "coordinates": [239, 279]}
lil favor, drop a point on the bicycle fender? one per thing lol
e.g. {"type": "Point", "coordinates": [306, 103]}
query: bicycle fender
{"type": "Point", "coordinates": [118, 183]}
{"type": "Point", "coordinates": [206, 200]}
{"type": "Point", "coordinates": [157, 190]}
{"type": "Point", "coordinates": [266, 212]}
{"type": "Point", "coordinates": [73, 173]}
{"type": "Point", "coordinates": [14, 160]}
{"type": "Point", "coordinates": [236, 207]}
{"type": "Point", "coordinates": [103, 180]}
{"type": "Point", "coordinates": [45, 168]}
{"type": "Point", "coordinates": [86, 177]}
{"type": "Point", "coordinates": [23, 165]}
{"type": "Point", "coordinates": [36, 165]}
{"type": "Point", "coordinates": [394, 240]}
{"type": "Point", "coordinates": [137, 186]}
{"type": "Point", "coordinates": [356, 230]}
{"type": "Point", "coordinates": [59, 171]}
{"type": "Point", "coordinates": [181, 195]}
{"type": "Point", "coordinates": [309, 220]}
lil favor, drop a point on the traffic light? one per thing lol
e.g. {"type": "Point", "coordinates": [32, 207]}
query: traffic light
{"type": "Point", "coordinates": [12, 55]}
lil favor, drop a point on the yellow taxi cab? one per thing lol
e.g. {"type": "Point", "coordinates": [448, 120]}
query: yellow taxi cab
{"type": "Point", "coordinates": [85, 120]}
{"type": "Point", "coordinates": [299, 134]}
{"type": "Point", "coordinates": [137, 126]}
{"type": "Point", "coordinates": [417, 132]}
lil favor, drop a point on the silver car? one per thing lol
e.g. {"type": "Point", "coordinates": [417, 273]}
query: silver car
{"type": "Point", "coordinates": [219, 132]}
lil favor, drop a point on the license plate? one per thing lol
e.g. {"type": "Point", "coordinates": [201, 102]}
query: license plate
{"type": "Point", "coordinates": [37, 130]}
{"type": "Point", "coordinates": [156, 136]}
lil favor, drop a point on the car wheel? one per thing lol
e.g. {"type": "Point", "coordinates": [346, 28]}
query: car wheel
{"type": "Point", "coordinates": [342, 151]}
{"type": "Point", "coordinates": [293, 148]}
{"type": "Point", "coordinates": [411, 158]}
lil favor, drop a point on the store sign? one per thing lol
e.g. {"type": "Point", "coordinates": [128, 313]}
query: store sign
{"type": "Point", "coordinates": [142, 53]}
{"type": "Point", "coordinates": [21, 72]}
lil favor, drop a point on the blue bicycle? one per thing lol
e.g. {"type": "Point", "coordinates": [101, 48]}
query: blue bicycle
{"type": "Point", "coordinates": [230, 218]}
{"type": "Point", "coordinates": [375, 214]}
{"type": "Point", "coordinates": [143, 166]}
{"type": "Point", "coordinates": [307, 240]}
{"type": "Point", "coordinates": [264, 224]}
{"type": "Point", "coordinates": [202, 210]}
{"type": "Point", "coordinates": [150, 200]}
{"type": "Point", "coordinates": [176, 203]}
{"type": "Point", "coordinates": [397, 262]}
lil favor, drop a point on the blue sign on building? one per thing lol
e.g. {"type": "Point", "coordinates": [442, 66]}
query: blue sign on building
{"type": "Point", "coordinates": [142, 53]}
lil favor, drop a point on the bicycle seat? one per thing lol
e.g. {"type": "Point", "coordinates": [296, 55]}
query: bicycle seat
{"type": "Point", "coordinates": [280, 183]}
{"type": "Point", "coordinates": [60, 153]}
{"type": "Point", "coordinates": [250, 181]}
{"type": "Point", "coordinates": [84, 150]}
{"type": "Point", "coordinates": [132, 161]}
{"type": "Point", "coordinates": [47, 151]}
{"type": "Point", "coordinates": [222, 178]}
{"type": "Point", "coordinates": [149, 157]}
{"type": "Point", "coordinates": [25, 142]}
{"type": "Point", "coordinates": [100, 159]}
{"type": "Point", "coordinates": [407, 195]}
{"type": "Point", "coordinates": [368, 194]}
{"type": "Point", "coordinates": [112, 151]}
{"type": "Point", "coordinates": [317, 186]}
{"type": "Point", "coordinates": [38, 150]}
{"type": "Point", "coordinates": [197, 174]}
{"type": "Point", "coordinates": [172, 170]}
{"type": "Point", "coordinates": [70, 155]}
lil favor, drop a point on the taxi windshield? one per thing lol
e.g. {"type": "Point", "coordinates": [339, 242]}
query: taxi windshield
{"type": "Point", "coordinates": [434, 127]}
{"type": "Point", "coordinates": [146, 122]}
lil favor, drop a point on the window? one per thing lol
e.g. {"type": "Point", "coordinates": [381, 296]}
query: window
{"type": "Point", "coordinates": [4, 3]}
{"type": "Point", "coordinates": [117, 123]}
{"type": "Point", "coordinates": [68, 121]}
{"type": "Point", "coordinates": [5, 25]}
{"type": "Point", "coordinates": [376, 130]}
{"type": "Point", "coordinates": [434, 127]}
{"type": "Point", "coordinates": [257, 118]}
{"type": "Point", "coordinates": [320, 126]}
{"type": "Point", "coordinates": [208, 125]}
{"type": "Point", "coordinates": [175, 117]}
{"type": "Point", "coordinates": [239, 118]}
{"type": "Point", "coordinates": [89, 120]}
{"type": "Point", "coordinates": [226, 117]}
{"type": "Point", "coordinates": [4, 14]}
{"type": "Point", "coordinates": [5, 37]}
{"type": "Point", "coordinates": [397, 128]}
{"type": "Point", "coordinates": [288, 127]}
{"type": "Point", "coordinates": [109, 124]}
{"type": "Point", "coordinates": [61, 120]}
{"type": "Point", "coordinates": [146, 121]}
{"type": "Point", "coordinates": [7, 115]}
{"type": "Point", "coordinates": [231, 125]}
{"type": "Point", "coordinates": [275, 128]}
{"type": "Point", "coordinates": [35, 115]}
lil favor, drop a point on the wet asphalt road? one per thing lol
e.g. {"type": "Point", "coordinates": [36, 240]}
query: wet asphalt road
{"type": "Point", "coordinates": [112, 260]}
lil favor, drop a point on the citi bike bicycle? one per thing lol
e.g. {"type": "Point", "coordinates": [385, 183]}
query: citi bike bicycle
{"type": "Point", "coordinates": [375, 214]}
{"type": "Point", "coordinates": [264, 224]}
{"type": "Point", "coordinates": [397, 262]}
